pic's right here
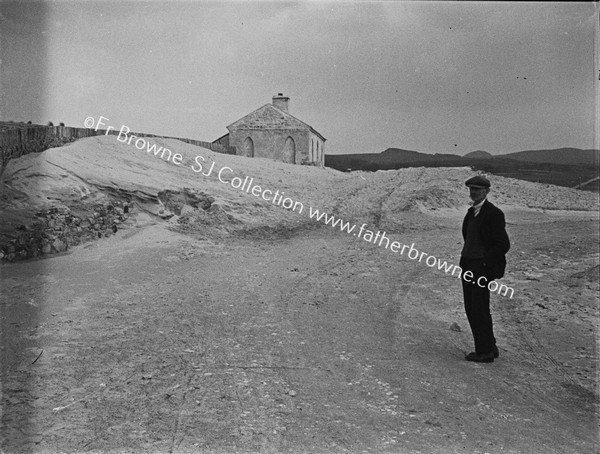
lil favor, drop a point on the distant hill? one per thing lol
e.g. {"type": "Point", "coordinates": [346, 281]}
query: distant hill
{"type": "Point", "coordinates": [393, 155]}
{"type": "Point", "coordinates": [479, 154]}
{"type": "Point", "coordinates": [563, 166]}
{"type": "Point", "coordinates": [399, 156]}
{"type": "Point", "coordinates": [564, 156]}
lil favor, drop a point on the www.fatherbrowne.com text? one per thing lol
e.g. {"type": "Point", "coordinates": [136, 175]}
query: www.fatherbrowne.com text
{"type": "Point", "coordinates": [381, 239]}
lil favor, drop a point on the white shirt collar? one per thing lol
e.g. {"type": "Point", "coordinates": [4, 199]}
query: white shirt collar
{"type": "Point", "coordinates": [478, 206]}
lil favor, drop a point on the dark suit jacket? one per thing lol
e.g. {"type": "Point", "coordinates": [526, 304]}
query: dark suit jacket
{"type": "Point", "coordinates": [494, 237]}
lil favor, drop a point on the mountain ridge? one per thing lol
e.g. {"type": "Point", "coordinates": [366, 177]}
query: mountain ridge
{"type": "Point", "coordinates": [569, 167]}
{"type": "Point", "coordinates": [564, 155]}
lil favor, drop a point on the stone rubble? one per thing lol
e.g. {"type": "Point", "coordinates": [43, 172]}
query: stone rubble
{"type": "Point", "coordinates": [58, 229]}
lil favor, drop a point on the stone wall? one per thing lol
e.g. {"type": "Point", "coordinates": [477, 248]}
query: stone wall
{"type": "Point", "coordinates": [57, 229]}
{"type": "Point", "coordinates": [271, 143]}
{"type": "Point", "coordinates": [223, 140]}
{"type": "Point", "coordinates": [18, 139]}
{"type": "Point", "coordinates": [316, 153]}
{"type": "Point", "coordinates": [270, 129]}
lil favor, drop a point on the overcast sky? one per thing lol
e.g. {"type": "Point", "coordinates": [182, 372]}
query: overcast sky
{"type": "Point", "coordinates": [435, 77]}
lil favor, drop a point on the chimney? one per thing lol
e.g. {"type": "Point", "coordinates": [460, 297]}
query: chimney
{"type": "Point", "coordinates": [281, 102]}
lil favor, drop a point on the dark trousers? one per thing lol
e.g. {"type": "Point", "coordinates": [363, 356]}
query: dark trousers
{"type": "Point", "coordinates": [477, 305]}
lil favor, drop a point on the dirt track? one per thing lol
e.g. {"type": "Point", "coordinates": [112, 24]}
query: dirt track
{"type": "Point", "coordinates": [316, 342]}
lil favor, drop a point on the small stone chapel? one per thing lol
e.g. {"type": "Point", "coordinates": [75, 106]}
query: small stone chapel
{"type": "Point", "coordinates": [272, 132]}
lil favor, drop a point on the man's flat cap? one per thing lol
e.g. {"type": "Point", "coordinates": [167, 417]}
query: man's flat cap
{"type": "Point", "coordinates": [478, 182]}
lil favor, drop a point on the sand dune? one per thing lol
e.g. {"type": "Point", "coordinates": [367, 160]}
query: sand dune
{"type": "Point", "coordinates": [158, 173]}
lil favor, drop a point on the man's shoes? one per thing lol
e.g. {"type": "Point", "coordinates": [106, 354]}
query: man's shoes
{"type": "Point", "coordinates": [481, 357]}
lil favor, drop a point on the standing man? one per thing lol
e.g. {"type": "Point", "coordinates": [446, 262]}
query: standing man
{"type": "Point", "coordinates": [484, 256]}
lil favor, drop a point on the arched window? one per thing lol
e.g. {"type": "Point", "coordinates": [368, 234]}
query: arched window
{"type": "Point", "coordinates": [248, 147]}
{"type": "Point", "coordinates": [289, 151]}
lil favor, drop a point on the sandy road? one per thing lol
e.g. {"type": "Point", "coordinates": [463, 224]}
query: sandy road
{"type": "Point", "coordinates": [318, 342]}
